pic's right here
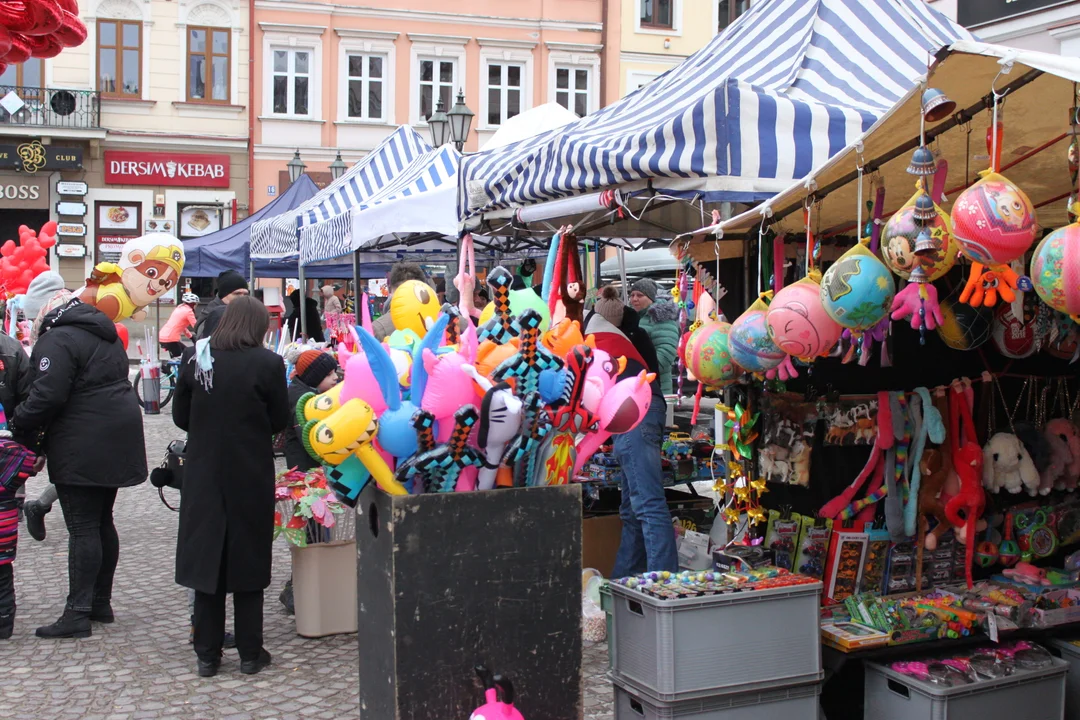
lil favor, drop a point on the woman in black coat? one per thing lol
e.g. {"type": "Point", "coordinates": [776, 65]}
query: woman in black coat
{"type": "Point", "coordinates": [231, 409]}
{"type": "Point", "coordinates": [82, 398]}
{"type": "Point", "coordinates": [314, 322]}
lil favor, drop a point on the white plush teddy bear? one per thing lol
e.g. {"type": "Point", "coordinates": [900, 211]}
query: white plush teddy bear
{"type": "Point", "coordinates": [1007, 465]}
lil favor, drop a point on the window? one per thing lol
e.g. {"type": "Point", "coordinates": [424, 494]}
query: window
{"type": "Point", "coordinates": [29, 77]}
{"type": "Point", "coordinates": [504, 92]}
{"type": "Point", "coordinates": [730, 10]}
{"type": "Point", "coordinates": [656, 13]}
{"type": "Point", "coordinates": [572, 89]}
{"type": "Point", "coordinates": [119, 58]}
{"type": "Point", "coordinates": [437, 80]}
{"type": "Point", "coordinates": [208, 64]}
{"type": "Point", "coordinates": [292, 75]}
{"type": "Point", "coordinates": [366, 86]}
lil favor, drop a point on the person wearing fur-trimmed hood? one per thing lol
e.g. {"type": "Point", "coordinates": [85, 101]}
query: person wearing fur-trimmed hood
{"type": "Point", "coordinates": [658, 316]}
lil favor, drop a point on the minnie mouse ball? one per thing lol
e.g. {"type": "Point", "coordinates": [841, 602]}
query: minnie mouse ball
{"type": "Point", "coordinates": [994, 221]}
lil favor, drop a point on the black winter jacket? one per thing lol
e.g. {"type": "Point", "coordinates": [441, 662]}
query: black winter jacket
{"type": "Point", "coordinates": [296, 456]}
{"type": "Point", "coordinates": [82, 398]}
{"type": "Point", "coordinates": [210, 318]}
{"type": "Point", "coordinates": [15, 374]}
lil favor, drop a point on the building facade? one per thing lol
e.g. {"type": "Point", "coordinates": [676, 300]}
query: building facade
{"type": "Point", "coordinates": [340, 76]}
{"type": "Point", "coordinates": [142, 128]}
{"type": "Point", "coordinates": [1045, 25]}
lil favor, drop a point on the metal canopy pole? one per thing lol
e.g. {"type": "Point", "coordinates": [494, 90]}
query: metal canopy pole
{"type": "Point", "coordinates": [356, 284]}
{"type": "Point", "coordinates": [303, 304]}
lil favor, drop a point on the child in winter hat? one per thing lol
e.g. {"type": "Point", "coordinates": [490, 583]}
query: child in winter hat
{"type": "Point", "coordinates": [317, 369]}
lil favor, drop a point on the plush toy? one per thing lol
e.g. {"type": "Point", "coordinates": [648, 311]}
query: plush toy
{"type": "Point", "coordinates": [148, 268]}
{"type": "Point", "coordinates": [501, 414]}
{"type": "Point", "coordinates": [1061, 459]}
{"type": "Point", "coordinates": [414, 306]}
{"type": "Point", "coordinates": [1069, 434]}
{"type": "Point", "coordinates": [1007, 465]}
{"type": "Point", "coordinates": [1036, 444]}
{"type": "Point", "coordinates": [965, 508]}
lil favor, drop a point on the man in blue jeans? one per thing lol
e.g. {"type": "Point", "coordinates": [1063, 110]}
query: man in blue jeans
{"type": "Point", "coordinates": [648, 537]}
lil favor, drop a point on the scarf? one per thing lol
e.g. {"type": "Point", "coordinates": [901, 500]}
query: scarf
{"type": "Point", "coordinates": [204, 364]}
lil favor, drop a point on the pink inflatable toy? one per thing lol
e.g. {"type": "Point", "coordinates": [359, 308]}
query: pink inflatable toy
{"type": "Point", "coordinates": [360, 381]}
{"type": "Point", "coordinates": [600, 378]}
{"type": "Point", "coordinates": [494, 707]}
{"type": "Point", "coordinates": [620, 411]}
{"type": "Point", "coordinates": [798, 322]}
{"type": "Point", "coordinates": [439, 380]}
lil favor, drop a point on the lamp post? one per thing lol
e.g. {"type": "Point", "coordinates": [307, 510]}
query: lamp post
{"type": "Point", "coordinates": [460, 117]}
{"type": "Point", "coordinates": [296, 167]}
{"type": "Point", "coordinates": [338, 167]}
{"type": "Point", "coordinates": [439, 125]}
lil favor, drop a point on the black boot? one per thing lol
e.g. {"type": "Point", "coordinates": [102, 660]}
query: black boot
{"type": "Point", "coordinates": [209, 668]}
{"type": "Point", "coordinates": [7, 626]}
{"type": "Point", "coordinates": [35, 518]}
{"type": "Point", "coordinates": [70, 625]}
{"type": "Point", "coordinates": [101, 612]}
{"type": "Point", "coordinates": [251, 667]}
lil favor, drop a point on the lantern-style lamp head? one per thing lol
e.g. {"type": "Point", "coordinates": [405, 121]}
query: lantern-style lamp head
{"type": "Point", "coordinates": [936, 105]}
{"type": "Point", "coordinates": [440, 126]}
{"type": "Point", "coordinates": [296, 167]}
{"type": "Point", "coordinates": [460, 117]}
{"type": "Point", "coordinates": [338, 167]}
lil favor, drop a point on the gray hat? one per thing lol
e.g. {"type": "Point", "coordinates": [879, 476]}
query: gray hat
{"type": "Point", "coordinates": [40, 290]}
{"type": "Point", "coordinates": [646, 287]}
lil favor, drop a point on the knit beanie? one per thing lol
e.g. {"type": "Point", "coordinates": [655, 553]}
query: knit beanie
{"type": "Point", "coordinates": [229, 282]}
{"type": "Point", "coordinates": [58, 299]}
{"type": "Point", "coordinates": [313, 366]}
{"type": "Point", "coordinates": [41, 288]}
{"type": "Point", "coordinates": [609, 306]}
{"type": "Point", "coordinates": [646, 287]}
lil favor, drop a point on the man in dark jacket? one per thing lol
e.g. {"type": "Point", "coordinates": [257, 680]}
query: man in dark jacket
{"type": "Point", "coordinates": [648, 539]}
{"type": "Point", "coordinates": [313, 321]}
{"type": "Point", "coordinates": [230, 285]}
{"type": "Point", "coordinates": [82, 398]}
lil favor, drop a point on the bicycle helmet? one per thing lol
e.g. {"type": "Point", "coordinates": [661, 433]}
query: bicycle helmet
{"type": "Point", "coordinates": [189, 298]}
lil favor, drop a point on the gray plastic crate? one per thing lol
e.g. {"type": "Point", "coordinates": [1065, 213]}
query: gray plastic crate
{"type": "Point", "coordinates": [696, 647]}
{"type": "Point", "coordinates": [795, 702]}
{"type": "Point", "coordinates": [1071, 654]}
{"type": "Point", "coordinates": [1027, 695]}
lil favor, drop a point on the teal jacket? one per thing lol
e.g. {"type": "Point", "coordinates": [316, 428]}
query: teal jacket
{"type": "Point", "coordinates": [660, 320]}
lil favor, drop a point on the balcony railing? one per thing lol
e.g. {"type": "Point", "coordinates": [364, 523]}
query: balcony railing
{"type": "Point", "coordinates": [35, 107]}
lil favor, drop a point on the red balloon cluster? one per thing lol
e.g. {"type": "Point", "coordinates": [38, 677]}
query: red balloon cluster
{"type": "Point", "coordinates": [19, 264]}
{"type": "Point", "coordinates": [38, 28]}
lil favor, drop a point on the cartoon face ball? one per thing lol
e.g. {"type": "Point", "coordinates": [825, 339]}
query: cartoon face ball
{"type": "Point", "coordinates": [857, 291]}
{"type": "Point", "coordinates": [798, 323]}
{"type": "Point", "coordinates": [750, 344]}
{"type": "Point", "coordinates": [1055, 269]}
{"type": "Point", "coordinates": [964, 327]}
{"type": "Point", "coordinates": [898, 244]}
{"type": "Point", "coordinates": [708, 355]}
{"type": "Point", "coordinates": [149, 274]}
{"type": "Point", "coordinates": [414, 306]}
{"type": "Point", "coordinates": [994, 221]}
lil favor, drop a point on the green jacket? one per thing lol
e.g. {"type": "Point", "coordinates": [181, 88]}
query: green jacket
{"type": "Point", "coordinates": [660, 320]}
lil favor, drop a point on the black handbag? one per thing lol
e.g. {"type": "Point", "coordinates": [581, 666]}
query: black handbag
{"type": "Point", "coordinates": [171, 471]}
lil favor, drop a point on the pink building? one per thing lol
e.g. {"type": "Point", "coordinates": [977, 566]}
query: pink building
{"type": "Point", "coordinates": [341, 76]}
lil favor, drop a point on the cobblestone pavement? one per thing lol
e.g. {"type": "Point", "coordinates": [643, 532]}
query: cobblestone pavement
{"type": "Point", "coordinates": [143, 667]}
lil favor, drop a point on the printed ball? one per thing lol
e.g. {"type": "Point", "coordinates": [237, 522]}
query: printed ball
{"type": "Point", "coordinates": [1063, 343]}
{"type": "Point", "coordinates": [1055, 269]}
{"type": "Point", "coordinates": [898, 244]}
{"type": "Point", "coordinates": [964, 327]}
{"type": "Point", "coordinates": [994, 221]}
{"type": "Point", "coordinates": [708, 355]}
{"type": "Point", "coordinates": [750, 344]}
{"type": "Point", "coordinates": [798, 323]}
{"type": "Point", "coordinates": [857, 291]}
{"type": "Point", "coordinates": [1016, 337]}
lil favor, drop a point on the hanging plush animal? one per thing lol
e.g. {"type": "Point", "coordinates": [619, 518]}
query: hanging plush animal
{"type": "Point", "coordinates": [1038, 448]}
{"type": "Point", "coordinates": [1060, 460]}
{"type": "Point", "coordinates": [1070, 436]}
{"type": "Point", "coordinates": [1007, 466]}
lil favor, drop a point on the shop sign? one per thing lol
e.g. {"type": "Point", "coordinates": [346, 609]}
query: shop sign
{"type": "Point", "coordinates": [70, 208]}
{"type": "Point", "coordinates": [70, 250]}
{"type": "Point", "coordinates": [71, 229]}
{"type": "Point", "coordinates": [980, 12]}
{"type": "Point", "coordinates": [72, 187]}
{"type": "Point", "coordinates": [110, 247]}
{"type": "Point", "coordinates": [175, 169]}
{"type": "Point", "coordinates": [30, 157]}
{"type": "Point", "coordinates": [24, 192]}
{"type": "Point", "coordinates": [158, 225]}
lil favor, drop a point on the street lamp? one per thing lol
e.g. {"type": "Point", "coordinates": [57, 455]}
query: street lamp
{"type": "Point", "coordinates": [338, 167]}
{"type": "Point", "coordinates": [440, 126]}
{"type": "Point", "coordinates": [460, 117]}
{"type": "Point", "coordinates": [296, 167]}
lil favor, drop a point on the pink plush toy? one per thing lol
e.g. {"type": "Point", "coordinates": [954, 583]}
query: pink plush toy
{"type": "Point", "coordinates": [620, 411]}
{"type": "Point", "coordinates": [495, 708]}
{"type": "Point", "coordinates": [1064, 441]}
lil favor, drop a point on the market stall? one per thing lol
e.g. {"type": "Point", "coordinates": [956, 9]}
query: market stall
{"type": "Point", "coordinates": [900, 405]}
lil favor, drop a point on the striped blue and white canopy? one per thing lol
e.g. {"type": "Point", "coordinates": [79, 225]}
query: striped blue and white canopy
{"type": "Point", "coordinates": [277, 237]}
{"type": "Point", "coordinates": [421, 198]}
{"type": "Point", "coordinates": [787, 85]}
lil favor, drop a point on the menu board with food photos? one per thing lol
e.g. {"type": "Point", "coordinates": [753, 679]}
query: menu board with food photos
{"type": "Point", "coordinates": [116, 224]}
{"type": "Point", "coordinates": [198, 220]}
